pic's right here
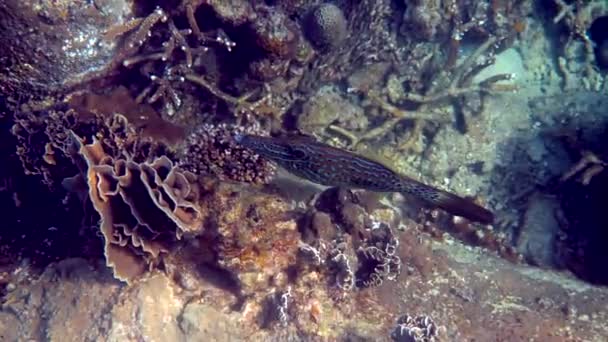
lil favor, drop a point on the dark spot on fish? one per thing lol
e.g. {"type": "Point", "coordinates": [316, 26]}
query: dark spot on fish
{"type": "Point", "coordinates": [476, 167]}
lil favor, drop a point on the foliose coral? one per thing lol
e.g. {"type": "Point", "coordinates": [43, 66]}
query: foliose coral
{"type": "Point", "coordinates": [144, 207]}
{"type": "Point", "coordinates": [211, 150]}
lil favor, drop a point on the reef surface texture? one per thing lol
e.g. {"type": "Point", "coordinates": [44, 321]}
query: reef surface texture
{"type": "Point", "coordinates": [131, 212]}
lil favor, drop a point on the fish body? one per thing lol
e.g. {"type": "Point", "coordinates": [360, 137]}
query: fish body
{"type": "Point", "coordinates": [326, 165]}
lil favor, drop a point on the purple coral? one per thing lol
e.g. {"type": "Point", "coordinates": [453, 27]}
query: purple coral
{"type": "Point", "coordinates": [326, 26]}
{"type": "Point", "coordinates": [212, 150]}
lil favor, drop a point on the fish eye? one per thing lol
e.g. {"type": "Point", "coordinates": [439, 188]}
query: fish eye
{"type": "Point", "coordinates": [297, 153]}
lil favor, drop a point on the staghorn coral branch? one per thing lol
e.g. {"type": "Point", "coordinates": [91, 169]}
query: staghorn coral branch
{"type": "Point", "coordinates": [406, 114]}
{"type": "Point", "coordinates": [240, 103]}
{"type": "Point", "coordinates": [178, 36]}
{"type": "Point", "coordinates": [578, 16]}
{"type": "Point", "coordinates": [221, 37]}
{"type": "Point", "coordinates": [566, 10]}
{"type": "Point", "coordinates": [200, 81]}
{"type": "Point", "coordinates": [119, 30]}
{"type": "Point", "coordinates": [354, 140]}
{"type": "Point", "coordinates": [458, 86]}
{"type": "Point", "coordinates": [177, 39]}
{"type": "Point", "coordinates": [143, 32]}
{"type": "Point", "coordinates": [589, 165]}
{"type": "Point", "coordinates": [486, 86]}
{"type": "Point", "coordinates": [192, 20]}
{"type": "Point", "coordinates": [397, 116]}
{"type": "Point", "coordinates": [463, 74]}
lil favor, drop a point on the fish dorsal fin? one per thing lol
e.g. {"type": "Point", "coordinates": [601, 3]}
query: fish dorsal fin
{"type": "Point", "coordinates": [375, 155]}
{"type": "Point", "coordinates": [298, 135]}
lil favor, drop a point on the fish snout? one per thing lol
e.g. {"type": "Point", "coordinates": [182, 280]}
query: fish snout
{"type": "Point", "coordinates": [238, 137]}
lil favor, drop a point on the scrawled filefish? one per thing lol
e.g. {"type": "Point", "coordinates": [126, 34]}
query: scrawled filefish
{"type": "Point", "coordinates": [330, 166]}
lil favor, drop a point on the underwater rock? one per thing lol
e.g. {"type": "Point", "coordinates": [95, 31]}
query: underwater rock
{"type": "Point", "coordinates": [511, 301]}
{"type": "Point", "coordinates": [267, 69]}
{"type": "Point", "coordinates": [275, 32]}
{"type": "Point", "coordinates": [53, 45]}
{"type": "Point", "coordinates": [258, 262]}
{"type": "Point", "coordinates": [151, 310]}
{"type": "Point", "coordinates": [65, 299]}
{"type": "Point", "coordinates": [368, 77]}
{"type": "Point", "coordinates": [602, 54]}
{"type": "Point", "coordinates": [256, 239]}
{"type": "Point", "coordinates": [423, 20]}
{"type": "Point", "coordinates": [278, 38]}
{"type": "Point", "coordinates": [201, 322]}
{"type": "Point", "coordinates": [142, 116]}
{"type": "Point", "coordinates": [597, 32]}
{"type": "Point", "coordinates": [294, 7]}
{"type": "Point", "coordinates": [329, 107]}
{"type": "Point", "coordinates": [234, 12]}
{"type": "Point", "coordinates": [538, 232]}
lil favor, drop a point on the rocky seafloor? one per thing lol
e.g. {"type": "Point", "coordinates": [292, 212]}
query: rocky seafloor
{"type": "Point", "coordinates": [130, 213]}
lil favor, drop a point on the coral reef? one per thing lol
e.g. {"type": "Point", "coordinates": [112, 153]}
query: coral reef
{"type": "Point", "coordinates": [465, 299]}
{"type": "Point", "coordinates": [122, 181]}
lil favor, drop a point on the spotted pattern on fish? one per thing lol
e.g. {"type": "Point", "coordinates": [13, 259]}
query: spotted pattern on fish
{"type": "Point", "coordinates": [330, 166]}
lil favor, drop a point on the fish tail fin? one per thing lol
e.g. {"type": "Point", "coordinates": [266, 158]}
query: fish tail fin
{"type": "Point", "coordinates": [466, 208]}
{"type": "Point", "coordinates": [447, 201]}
